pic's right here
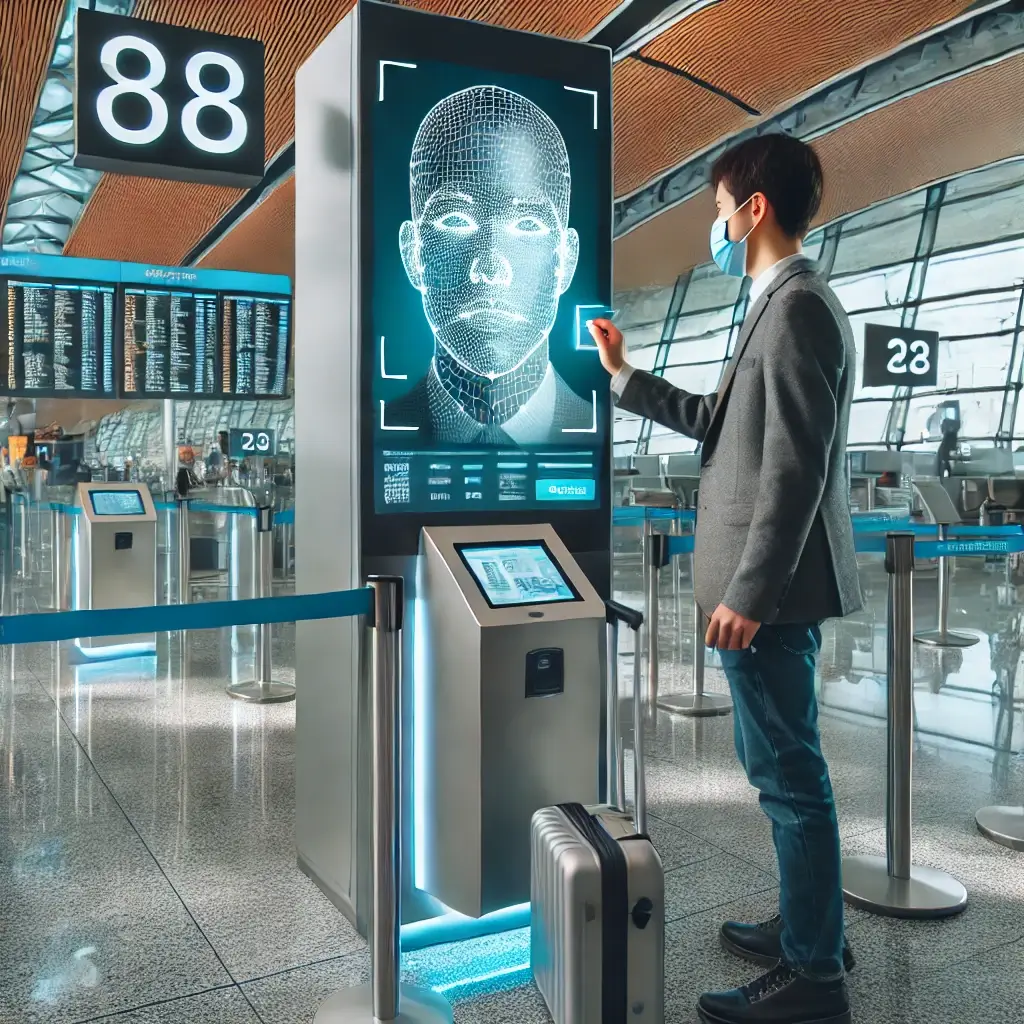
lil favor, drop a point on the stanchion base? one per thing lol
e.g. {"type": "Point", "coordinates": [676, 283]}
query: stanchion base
{"type": "Point", "coordinates": [696, 705]}
{"type": "Point", "coordinates": [255, 692]}
{"type": "Point", "coordinates": [927, 893]}
{"type": "Point", "coordinates": [355, 1006]}
{"type": "Point", "coordinates": [938, 638]}
{"type": "Point", "coordinates": [1003, 825]}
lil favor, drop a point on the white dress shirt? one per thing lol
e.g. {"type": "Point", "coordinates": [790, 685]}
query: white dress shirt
{"type": "Point", "coordinates": [757, 288]}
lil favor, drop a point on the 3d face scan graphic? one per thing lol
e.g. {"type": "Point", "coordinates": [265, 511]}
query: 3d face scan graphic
{"type": "Point", "coordinates": [489, 248]}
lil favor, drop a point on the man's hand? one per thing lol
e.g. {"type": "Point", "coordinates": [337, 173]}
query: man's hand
{"type": "Point", "coordinates": [611, 346]}
{"type": "Point", "coordinates": [729, 631]}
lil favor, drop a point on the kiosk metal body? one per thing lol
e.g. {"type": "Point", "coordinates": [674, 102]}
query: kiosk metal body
{"type": "Point", "coordinates": [375, 463]}
{"type": "Point", "coordinates": [115, 553]}
{"type": "Point", "coordinates": [513, 712]}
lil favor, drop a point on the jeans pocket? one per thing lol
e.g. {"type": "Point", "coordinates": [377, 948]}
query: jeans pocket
{"type": "Point", "coordinates": [803, 641]}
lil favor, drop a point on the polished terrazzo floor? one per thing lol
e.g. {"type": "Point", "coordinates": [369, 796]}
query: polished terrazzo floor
{"type": "Point", "coordinates": [147, 872]}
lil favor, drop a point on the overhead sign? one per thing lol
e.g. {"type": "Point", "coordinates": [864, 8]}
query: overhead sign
{"type": "Point", "coordinates": [251, 443]}
{"type": "Point", "coordinates": [161, 101]}
{"type": "Point", "coordinates": [899, 356]}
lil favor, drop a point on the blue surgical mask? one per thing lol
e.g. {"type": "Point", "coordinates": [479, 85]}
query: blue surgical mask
{"type": "Point", "coordinates": [730, 256]}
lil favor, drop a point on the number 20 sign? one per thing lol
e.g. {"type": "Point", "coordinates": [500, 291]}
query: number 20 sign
{"type": "Point", "coordinates": [900, 356]}
{"type": "Point", "coordinates": [166, 102]}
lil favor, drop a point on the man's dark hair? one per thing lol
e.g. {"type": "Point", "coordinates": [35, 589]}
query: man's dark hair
{"type": "Point", "coordinates": [786, 170]}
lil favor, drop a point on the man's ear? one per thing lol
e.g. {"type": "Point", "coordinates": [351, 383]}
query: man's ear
{"type": "Point", "coordinates": [570, 257]}
{"type": "Point", "coordinates": [409, 244]}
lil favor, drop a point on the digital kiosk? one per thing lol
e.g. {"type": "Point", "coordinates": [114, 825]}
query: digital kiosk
{"type": "Point", "coordinates": [453, 427]}
{"type": "Point", "coordinates": [115, 556]}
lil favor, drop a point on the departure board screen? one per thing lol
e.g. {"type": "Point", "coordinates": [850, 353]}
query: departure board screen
{"type": "Point", "coordinates": [170, 343]}
{"type": "Point", "coordinates": [60, 339]}
{"type": "Point", "coordinates": [255, 341]}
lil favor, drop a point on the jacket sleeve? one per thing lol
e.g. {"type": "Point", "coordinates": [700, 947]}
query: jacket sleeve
{"type": "Point", "coordinates": [802, 361]}
{"type": "Point", "coordinates": [654, 398]}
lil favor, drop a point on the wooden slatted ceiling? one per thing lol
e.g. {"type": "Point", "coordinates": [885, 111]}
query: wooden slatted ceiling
{"type": "Point", "coordinates": [28, 29]}
{"type": "Point", "coordinates": [966, 123]}
{"type": "Point", "coordinates": [765, 52]}
{"type": "Point", "coordinates": [263, 241]}
{"type": "Point", "coordinates": [151, 221]}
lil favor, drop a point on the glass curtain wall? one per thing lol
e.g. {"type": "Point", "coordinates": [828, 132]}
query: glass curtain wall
{"type": "Point", "coordinates": [949, 258]}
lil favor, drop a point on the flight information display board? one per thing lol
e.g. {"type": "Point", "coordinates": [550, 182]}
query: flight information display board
{"type": "Point", "coordinates": [255, 345]}
{"type": "Point", "coordinates": [59, 339]}
{"type": "Point", "coordinates": [516, 574]}
{"type": "Point", "coordinates": [487, 199]}
{"type": "Point", "coordinates": [170, 343]}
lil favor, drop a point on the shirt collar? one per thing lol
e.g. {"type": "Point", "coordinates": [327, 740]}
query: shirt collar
{"type": "Point", "coordinates": [763, 280]}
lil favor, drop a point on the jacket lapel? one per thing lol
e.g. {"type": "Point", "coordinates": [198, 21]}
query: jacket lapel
{"type": "Point", "coordinates": [746, 331]}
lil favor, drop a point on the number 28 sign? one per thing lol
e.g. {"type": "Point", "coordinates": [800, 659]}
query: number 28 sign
{"type": "Point", "coordinates": [900, 356]}
{"type": "Point", "coordinates": [166, 102]}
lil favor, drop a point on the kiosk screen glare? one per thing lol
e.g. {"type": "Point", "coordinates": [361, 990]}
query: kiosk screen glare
{"type": "Point", "coordinates": [117, 503]}
{"type": "Point", "coordinates": [486, 392]}
{"type": "Point", "coordinates": [510, 576]}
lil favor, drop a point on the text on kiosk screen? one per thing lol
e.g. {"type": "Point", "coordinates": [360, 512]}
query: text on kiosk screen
{"type": "Point", "coordinates": [516, 575]}
{"type": "Point", "coordinates": [117, 503]}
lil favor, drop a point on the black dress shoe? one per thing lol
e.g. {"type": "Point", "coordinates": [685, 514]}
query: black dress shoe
{"type": "Point", "coordinates": [779, 997]}
{"type": "Point", "coordinates": [761, 944]}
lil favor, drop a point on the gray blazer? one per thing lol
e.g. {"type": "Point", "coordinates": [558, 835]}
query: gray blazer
{"type": "Point", "coordinates": [774, 536]}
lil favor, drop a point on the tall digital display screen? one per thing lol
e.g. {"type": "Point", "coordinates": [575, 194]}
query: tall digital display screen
{"type": "Point", "coordinates": [255, 343]}
{"type": "Point", "coordinates": [59, 339]}
{"type": "Point", "coordinates": [170, 343]}
{"type": "Point", "coordinates": [489, 199]}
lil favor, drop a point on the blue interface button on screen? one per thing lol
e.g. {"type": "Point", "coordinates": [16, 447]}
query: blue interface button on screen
{"type": "Point", "coordinates": [566, 490]}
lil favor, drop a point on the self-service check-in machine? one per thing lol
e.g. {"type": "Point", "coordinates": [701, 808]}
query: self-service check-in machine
{"type": "Point", "coordinates": [453, 237]}
{"type": "Point", "coordinates": [513, 658]}
{"type": "Point", "coordinates": [115, 554]}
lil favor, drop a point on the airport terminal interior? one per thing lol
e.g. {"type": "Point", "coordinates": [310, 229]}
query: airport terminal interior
{"type": "Point", "coordinates": [270, 575]}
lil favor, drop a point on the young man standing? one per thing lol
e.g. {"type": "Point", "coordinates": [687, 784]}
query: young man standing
{"type": "Point", "coordinates": [774, 555]}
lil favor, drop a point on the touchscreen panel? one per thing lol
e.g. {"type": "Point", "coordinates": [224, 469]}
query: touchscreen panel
{"type": "Point", "coordinates": [510, 575]}
{"type": "Point", "coordinates": [117, 503]}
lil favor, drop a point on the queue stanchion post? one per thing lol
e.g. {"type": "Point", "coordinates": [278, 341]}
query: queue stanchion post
{"type": "Point", "coordinates": [1003, 825]}
{"type": "Point", "coordinates": [893, 885]}
{"type": "Point", "coordinates": [263, 688]}
{"type": "Point", "coordinates": [655, 559]}
{"type": "Point", "coordinates": [697, 703]}
{"type": "Point", "coordinates": [184, 552]}
{"type": "Point", "coordinates": [385, 999]}
{"type": "Point", "coordinates": [944, 636]}
{"type": "Point", "coordinates": [58, 556]}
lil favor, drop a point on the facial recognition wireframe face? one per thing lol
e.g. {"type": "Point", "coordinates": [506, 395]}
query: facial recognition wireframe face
{"type": "Point", "coordinates": [489, 244]}
{"type": "Point", "coordinates": [480, 347]}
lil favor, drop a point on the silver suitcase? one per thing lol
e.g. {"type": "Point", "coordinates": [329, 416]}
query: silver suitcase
{"type": "Point", "coordinates": [598, 891]}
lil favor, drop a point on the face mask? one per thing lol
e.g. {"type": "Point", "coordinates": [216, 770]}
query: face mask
{"type": "Point", "coordinates": [731, 257]}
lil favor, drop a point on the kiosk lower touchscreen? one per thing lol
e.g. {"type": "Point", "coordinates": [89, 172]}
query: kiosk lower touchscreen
{"type": "Point", "coordinates": [115, 555]}
{"type": "Point", "coordinates": [513, 648]}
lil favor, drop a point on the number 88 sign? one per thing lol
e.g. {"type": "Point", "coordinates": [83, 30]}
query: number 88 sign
{"type": "Point", "coordinates": [900, 357]}
{"type": "Point", "coordinates": [161, 101]}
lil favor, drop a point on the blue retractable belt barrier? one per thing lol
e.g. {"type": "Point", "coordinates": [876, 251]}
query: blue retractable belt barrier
{"type": "Point", "coordinates": [999, 545]}
{"type": "Point", "coordinates": [883, 526]}
{"type": "Point", "coordinates": [623, 515]}
{"type": "Point", "coordinates": [285, 516]}
{"type": "Point", "coordinates": [680, 545]}
{"type": "Point", "coordinates": [41, 628]}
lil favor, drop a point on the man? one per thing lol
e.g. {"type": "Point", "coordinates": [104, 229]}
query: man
{"type": "Point", "coordinates": [774, 555]}
{"type": "Point", "coordinates": [490, 250]}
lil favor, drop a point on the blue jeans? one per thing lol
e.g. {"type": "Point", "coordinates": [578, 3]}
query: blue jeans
{"type": "Point", "coordinates": [777, 740]}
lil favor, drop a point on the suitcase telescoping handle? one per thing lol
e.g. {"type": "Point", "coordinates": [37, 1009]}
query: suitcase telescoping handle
{"type": "Point", "coordinates": [616, 771]}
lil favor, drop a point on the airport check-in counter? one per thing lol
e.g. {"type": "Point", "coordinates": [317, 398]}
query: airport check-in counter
{"type": "Point", "coordinates": [115, 552]}
{"type": "Point", "coordinates": [513, 661]}
{"type": "Point", "coordinates": [225, 541]}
